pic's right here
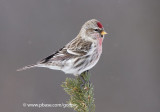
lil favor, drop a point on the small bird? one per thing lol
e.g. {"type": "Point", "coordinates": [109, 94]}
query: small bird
{"type": "Point", "coordinates": [80, 54]}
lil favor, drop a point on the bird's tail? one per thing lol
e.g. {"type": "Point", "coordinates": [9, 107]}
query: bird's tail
{"type": "Point", "coordinates": [27, 67]}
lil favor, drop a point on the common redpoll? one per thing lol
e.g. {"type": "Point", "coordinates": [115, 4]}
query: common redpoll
{"type": "Point", "coordinates": [79, 55]}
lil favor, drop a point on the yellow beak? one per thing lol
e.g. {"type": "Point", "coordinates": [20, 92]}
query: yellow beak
{"type": "Point", "coordinates": [103, 33]}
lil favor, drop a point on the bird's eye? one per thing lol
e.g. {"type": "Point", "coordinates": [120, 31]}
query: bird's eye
{"type": "Point", "coordinates": [95, 29]}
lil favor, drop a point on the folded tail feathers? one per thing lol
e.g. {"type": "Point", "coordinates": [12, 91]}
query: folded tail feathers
{"type": "Point", "coordinates": [27, 67]}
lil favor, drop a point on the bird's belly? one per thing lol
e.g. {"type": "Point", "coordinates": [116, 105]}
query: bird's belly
{"type": "Point", "coordinates": [94, 59]}
{"type": "Point", "coordinates": [84, 63]}
{"type": "Point", "coordinates": [91, 61]}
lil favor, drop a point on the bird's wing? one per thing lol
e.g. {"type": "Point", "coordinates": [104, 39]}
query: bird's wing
{"type": "Point", "coordinates": [75, 48]}
{"type": "Point", "coordinates": [79, 46]}
{"type": "Point", "coordinates": [57, 56]}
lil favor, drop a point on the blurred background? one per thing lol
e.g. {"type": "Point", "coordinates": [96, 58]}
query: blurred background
{"type": "Point", "coordinates": [127, 77]}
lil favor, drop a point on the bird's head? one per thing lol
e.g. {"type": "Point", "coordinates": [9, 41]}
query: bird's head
{"type": "Point", "coordinates": [92, 30]}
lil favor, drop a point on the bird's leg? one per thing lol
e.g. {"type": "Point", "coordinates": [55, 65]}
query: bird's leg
{"type": "Point", "coordinates": [87, 73]}
{"type": "Point", "coordinates": [83, 80]}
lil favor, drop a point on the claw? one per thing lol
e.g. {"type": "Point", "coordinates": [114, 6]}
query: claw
{"type": "Point", "coordinates": [82, 85]}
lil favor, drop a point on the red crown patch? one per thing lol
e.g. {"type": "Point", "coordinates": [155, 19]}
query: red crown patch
{"type": "Point", "coordinates": [99, 25]}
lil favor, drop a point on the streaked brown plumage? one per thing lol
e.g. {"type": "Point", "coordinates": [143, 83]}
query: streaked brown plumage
{"type": "Point", "coordinates": [79, 55]}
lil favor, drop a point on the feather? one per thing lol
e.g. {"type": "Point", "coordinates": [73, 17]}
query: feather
{"type": "Point", "coordinates": [27, 67]}
{"type": "Point", "coordinates": [99, 25]}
